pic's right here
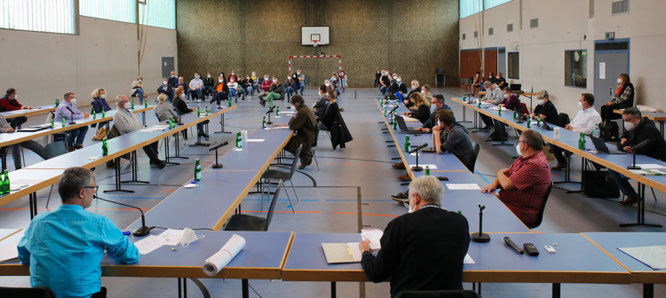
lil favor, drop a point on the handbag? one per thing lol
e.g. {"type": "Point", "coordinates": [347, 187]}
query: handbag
{"type": "Point", "coordinates": [595, 185]}
{"type": "Point", "coordinates": [100, 134]}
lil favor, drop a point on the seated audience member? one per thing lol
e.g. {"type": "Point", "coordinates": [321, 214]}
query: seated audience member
{"type": "Point", "coordinates": [68, 110]}
{"type": "Point", "coordinates": [221, 91]}
{"type": "Point", "coordinates": [16, 148]}
{"type": "Point", "coordinates": [63, 248]}
{"type": "Point", "coordinates": [99, 102]}
{"type": "Point", "coordinates": [163, 110]}
{"type": "Point", "coordinates": [301, 80]}
{"type": "Point", "coordinates": [181, 84]}
{"type": "Point", "coordinates": [425, 90]}
{"type": "Point", "coordinates": [421, 108]}
{"type": "Point", "coordinates": [423, 249]}
{"type": "Point", "coordinates": [384, 82]}
{"type": "Point", "coordinates": [491, 77]}
{"type": "Point", "coordinates": [523, 186]}
{"type": "Point", "coordinates": [9, 102]}
{"type": "Point", "coordinates": [477, 82]}
{"type": "Point", "coordinates": [495, 96]}
{"type": "Point", "coordinates": [622, 98]}
{"type": "Point", "coordinates": [233, 76]}
{"type": "Point", "coordinates": [173, 80]}
{"type": "Point", "coordinates": [208, 84]}
{"type": "Point", "coordinates": [585, 121]}
{"type": "Point", "coordinates": [266, 84]}
{"type": "Point", "coordinates": [438, 104]}
{"type": "Point", "coordinates": [415, 88]}
{"type": "Point", "coordinates": [378, 75]}
{"type": "Point", "coordinates": [233, 86]}
{"type": "Point", "coordinates": [398, 87]}
{"type": "Point", "coordinates": [451, 136]}
{"type": "Point", "coordinates": [248, 85]}
{"type": "Point", "coordinates": [166, 89]}
{"type": "Point", "coordinates": [137, 90]}
{"type": "Point", "coordinates": [500, 81]}
{"type": "Point", "coordinates": [637, 130]}
{"type": "Point", "coordinates": [304, 125]}
{"type": "Point", "coordinates": [275, 93]}
{"type": "Point", "coordinates": [545, 109]}
{"type": "Point", "coordinates": [125, 121]}
{"type": "Point", "coordinates": [320, 106]}
{"type": "Point", "coordinates": [331, 113]}
{"type": "Point", "coordinates": [510, 101]}
{"type": "Point", "coordinates": [290, 87]}
{"type": "Point", "coordinates": [256, 84]}
{"type": "Point", "coordinates": [181, 108]}
{"type": "Point", "coordinates": [196, 85]}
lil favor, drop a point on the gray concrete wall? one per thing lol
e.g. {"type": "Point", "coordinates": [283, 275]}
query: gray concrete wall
{"type": "Point", "coordinates": [410, 37]}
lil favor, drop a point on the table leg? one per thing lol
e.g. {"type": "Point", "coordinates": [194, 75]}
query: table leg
{"type": "Point", "coordinates": [640, 220]}
{"type": "Point", "coordinates": [117, 176]}
{"type": "Point", "coordinates": [135, 170]}
{"type": "Point", "coordinates": [143, 115]}
{"type": "Point", "coordinates": [333, 290]}
{"type": "Point", "coordinates": [177, 149]}
{"type": "Point", "coordinates": [464, 117]}
{"type": "Point", "coordinates": [245, 285]}
{"type": "Point", "coordinates": [166, 152]}
{"type": "Point", "coordinates": [32, 201]}
{"type": "Point", "coordinates": [222, 125]}
{"type": "Point", "coordinates": [648, 290]}
{"type": "Point", "coordinates": [4, 159]}
{"type": "Point", "coordinates": [556, 290]}
{"type": "Point", "coordinates": [661, 126]}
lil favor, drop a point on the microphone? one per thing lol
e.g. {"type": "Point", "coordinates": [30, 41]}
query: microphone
{"type": "Point", "coordinates": [641, 145]}
{"type": "Point", "coordinates": [510, 243]}
{"type": "Point", "coordinates": [271, 110]}
{"type": "Point", "coordinates": [140, 232]}
{"type": "Point", "coordinates": [419, 148]}
{"type": "Point", "coordinates": [394, 108]}
{"type": "Point", "coordinates": [71, 118]}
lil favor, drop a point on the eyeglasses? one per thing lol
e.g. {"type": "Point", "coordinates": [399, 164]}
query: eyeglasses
{"type": "Point", "coordinates": [94, 188]}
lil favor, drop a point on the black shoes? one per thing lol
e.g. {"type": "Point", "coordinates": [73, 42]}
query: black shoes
{"type": "Point", "coordinates": [402, 197]}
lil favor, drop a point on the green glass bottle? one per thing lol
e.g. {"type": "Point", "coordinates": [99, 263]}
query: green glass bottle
{"type": "Point", "coordinates": [63, 121]}
{"type": "Point", "coordinates": [132, 104]}
{"type": "Point", "coordinates": [499, 112]}
{"type": "Point", "coordinates": [263, 122]}
{"type": "Point", "coordinates": [581, 141]}
{"type": "Point", "coordinates": [385, 111]}
{"type": "Point", "coordinates": [407, 145]}
{"type": "Point", "coordinates": [277, 111]}
{"type": "Point", "coordinates": [103, 113]}
{"type": "Point", "coordinates": [230, 102]}
{"type": "Point", "coordinates": [5, 183]}
{"type": "Point", "coordinates": [145, 103]}
{"type": "Point", "coordinates": [52, 122]}
{"type": "Point", "coordinates": [464, 98]}
{"type": "Point", "coordinates": [515, 114]}
{"type": "Point", "coordinates": [57, 102]}
{"type": "Point", "coordinates": [538, 121]}
{"type": "Point", "coordinates": [479, 101]}
{"type": "Point", "coordinates": [198, 112]}
{"type": "Point", "coordinates": [105, 148]}
{"type": "Point", "coordinates": [94, 114]}
{"type": "Point", "coordinates": [239, 141]}
{"type": "Point", "coordinates": [529, 121]}
{"type": "Point", "coordinates": [427, 171]}
{"type": "Point", "coordinates": [197, 170]}
{"type": "Point", "coordinates": [395, 124]}
{"type": "Point", "coordinates": [206, 111]}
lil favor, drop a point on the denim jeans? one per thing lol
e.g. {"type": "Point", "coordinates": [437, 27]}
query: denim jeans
{"type": "Point", "coordinates": [302, 85]}
{"type": "Point", "coordinates": [623, 183]}
{"type": "Point", "coordinates": [139, 94]}
{"type": "Point", "coordinates": [250, 90]}
{"type": "Point", "coordinates": [77, 135]}
{"type": "Point", "coordinates": [199, 92]}
{"type": "Point", "coordinates": [383, 89]}
{"type": "Point", "coordinates": [289, 91]}
{"type": "Point", "coordinates": [30, 145]}
{"type": "Point", "coordinates": [232, 92]}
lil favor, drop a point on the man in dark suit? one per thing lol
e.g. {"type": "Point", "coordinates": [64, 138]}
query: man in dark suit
{"type": "Point", "coordinates": [402, 257]}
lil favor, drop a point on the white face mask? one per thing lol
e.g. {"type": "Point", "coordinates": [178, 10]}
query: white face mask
{"type": "Point", "coordinates": [580, 105]}
{"type": "Point", "coordinates": [15, 97]}
{"type": "Point", "coordinates": [73, 101]}
{"type": "Point", "coordinates": [208, 76]}
{"type": "Point", "coordinates": [539, 101]}
{"type": "Point", "coordinates": [423, 92]}
{"type": "Point", "coordinates": [221, 80]}
{"type": "Point", "coordinates": [628, 125]}
{"type": "Point", "coordinates": [266, 79]}
{"type": "Point", "coordinates": [103, 96]}
{"type": "Point", "coordinates": [518, 150]}
{"type": "Point", "coordinates": [164, 83]}
{"type": "Point", "coordinates": [232, 80]}
{"type": "Point", "coordinates": [140, 81]}
{"type": "Point", "coordinates": [398, 80]}
{"type": "Point", "coordinates": [197, 77]}
{"type": "Point", "coordinates": [182, 96]}
{"type": "Point", "coordinates": [433, 108]}
{"type": "Point", "coordinates": [619, 81]}
{"type": "Point", "coordinates": [327, 84]}
{"type": "Point", "coordinates": [254, 74]}
{"type": "Point", "coordinates": [188, 236]}
{"type": "Point", "coordinates": [506, 95]}
{"type": "Point", "coordinates": [298, 72]}
{"type": "Point", "coordinates": [233, 73]}
{"type": "Point", "coordinates": [395, 78]}
{"type": "Point", "coordinates": [497, 77]}
{"type": "Point", "coordinates": [414, 87]}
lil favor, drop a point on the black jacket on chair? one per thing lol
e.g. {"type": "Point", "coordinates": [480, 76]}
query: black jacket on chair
{"type": "Point", "coordinates": [340, 135]}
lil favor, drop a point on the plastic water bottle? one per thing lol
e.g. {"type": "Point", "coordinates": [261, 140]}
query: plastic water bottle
{"type": "Point", "coordinates": [197, 170]}
{"type": "Point", "coordinates": [595, 133]}
{"type": "Point", "coordinates": [105, 148]}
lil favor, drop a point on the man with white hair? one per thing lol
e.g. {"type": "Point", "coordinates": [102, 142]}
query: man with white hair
{"type": "Point", "coordinates": [126, 122]}
{"type": "Point", "coordinates": [416, 87]}
{"type": "Point", "coordinates": [402, 257]}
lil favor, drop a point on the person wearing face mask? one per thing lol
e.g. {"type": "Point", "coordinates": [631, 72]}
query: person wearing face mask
{"type": "Point", "coordinates": [173, 80]}
{"type": "Point", "coordinates": [421, 108]}
{"type": "Point", "coordinates": [69, 111]}
{"type": "Point", "coordinates": [378, 75]}
{"type": "Point", "coordinates": [523, 186]}
{"type": "Point", "coordinates": [477, 82]}
{"type": "Point", "coordinates": [394, 78]}
{"type": "Point", "coordinates": [491, 77]}
{"type": "Point", "coordinates": [320, 105]}
{"type": "Point", "coordinates": [137, 90]}
{"type": "Point", "coordinates": [422, 250]}
{"type": "Point", "coordinates": [301, 80]}
{"type": "Point", "coordinates": [623, 97]}
{"type": "Point", "coordinates": [398, 87]}
{"type": "Point", "coordinates": [384, 82]}
{"type": "Point", "coordinates": [545, 109]}
{"type": "Point", "coordinates": [585, 121]}
{"type": "Point", "coordinates": [510, 101]}
{"type": "Point", "coordinates": [208, 84]}
{"type": "Point", "coordinates": [221, 91]}
{"type": "Point", "coordinates": [9, 102]}
{"type": "Point", "coordinates": [233, 87]}
{"type": "Point", "coordinates": [500, 81]}
{"type": "Point", "coordinates": [415, 88]}
{"type": "Point", "coordinates": [247, 85]}
{"type": "Point", "coordinates": [304, 125]}
{"type": "Point", "coordinates": [233, 76]}
{"type": "Point", "coordinates": [275, 93]}
{"type": "Point", "coordinates": [291, 87]}
{"type": "Point", "coordinates": [266, 84]}
{"type": "Point", "coordinates": [99, 102]}
{"type": "Point", "coordinates": [450, 136]}
{"type": "Point", "coordinates": [166, 89]}
{"type": "Point", "coordinates": [125, 121]}
{"type": "Point", "coordinates": [495, 96]}
{"type": "Point", "coordinates": [180, 106]}
{"type": "Point", "coordinates": [63, 248]}
{"type": "Point", "coordinates": [196, 85]}
{"type": "Point", "coordinates": [637, 130]}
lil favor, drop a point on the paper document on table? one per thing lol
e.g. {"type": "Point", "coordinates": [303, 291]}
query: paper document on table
{"type": "Point", "coordinates": [463, 186]}
{"type": "Point", "coordinates": [652, 256]}
{"type": "Point", "coordinates": [337, 253]}
{"type": "Point", "coordinates": [374, 235]}
{"type": "Point", "coordinates": [8, 253]}
{"type": "Point", "coordinates": [13, 239]}
{"type": "Point", "coordinates": [494, 108]}
{"type": "Point", "coordinates": [148, 244]}
{"type": "Point", "coordinates": [468, 260]}
{"type": "Point", "coordinates": [254, 140]}
{"type": "Point", "coordinates": [650, 166]}
{"type": "Point", "coordinates": [155, 128]}
{"type": "Point", "coordinates": [424, 165]}
{"type": "Point", "coordinates": [409, 119]}
{"type": "Point", "coordinates": [223, 257]}
{"type": "Point", "coordinates": [171, 237]}
{"type": "Point", "coordinates": [648, 172]}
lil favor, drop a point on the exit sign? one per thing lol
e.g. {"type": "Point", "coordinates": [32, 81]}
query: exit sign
{"type": "Point", "coordinates": [610, 35]}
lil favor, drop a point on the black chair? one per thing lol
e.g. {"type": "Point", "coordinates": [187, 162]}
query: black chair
{"type": "Point", "coordinates": [245, 222]}
{"type": "Point", "coordinates": [542, 208]}
{"type": "Point", "coordinates": [438, 294]}
{"type": "Point", "coordinates": [272, 174]}
{"type": "Point", "coordinates": [562, 119]}
{"type": "Point", "coordinates": [477, 149]}
{"type": "Point", "coordinates": [37, 292]}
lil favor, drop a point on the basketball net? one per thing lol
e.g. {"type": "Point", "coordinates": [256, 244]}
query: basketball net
{"type": "Point", "coordinates": [315, 42]}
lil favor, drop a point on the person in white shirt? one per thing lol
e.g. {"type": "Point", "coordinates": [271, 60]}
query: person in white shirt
{"type": "Point", "coordinates": [585, 121]}
{"type": "Point", "coordinates": [233, 86]}
{"type": "Point", "coordinates": [126, 122]}
{"type": "Point", "coordinates": [494, 95]}
{"type": "Point", "coordinates": [196, 85]}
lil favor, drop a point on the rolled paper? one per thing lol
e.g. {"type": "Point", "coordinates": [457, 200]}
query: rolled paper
{"type": "Point", "coordinates": [221, 258]}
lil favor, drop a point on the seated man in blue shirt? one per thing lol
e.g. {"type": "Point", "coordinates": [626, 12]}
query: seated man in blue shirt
{"type": "Point", "coordinates": [64, 248]}
{"type": "Point", "coordinates": [69, 111]}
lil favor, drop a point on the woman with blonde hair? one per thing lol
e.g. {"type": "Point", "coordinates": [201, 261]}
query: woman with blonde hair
{"type": "Point", "coordinates": [164, 111]}
{"type": "Point", "coordinates": [421, 108]}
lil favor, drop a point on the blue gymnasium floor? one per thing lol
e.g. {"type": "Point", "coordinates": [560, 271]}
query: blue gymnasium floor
{"type": "Point", "coordinates": [365, 163]}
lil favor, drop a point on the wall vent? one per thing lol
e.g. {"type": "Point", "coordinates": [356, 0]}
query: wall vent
{"type": "Point", "coordinates": [620, 7]}
{"type": "Point", "coordinates": [491, 31]}
{"type": "Point", "coordinates": [464, 36]}
{"type": "Point", "coordinates": [534, 23]}
{"type": "Point", "coordinates": [476, 34]}
{"type": "Point", "coordinates": [509, 27]}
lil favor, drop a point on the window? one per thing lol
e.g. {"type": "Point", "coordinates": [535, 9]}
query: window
{"type": "Point", "coordinates": [514, 66]}
{"type": "Point", "coordinates": [575, 68]}
{"type": "Point", "coordinates": [534, 23]}
{"type": "Point", "coordinates": [492, 3]}
{"type": "Point", "coordinates": [115, 10]}
{"type": "Point", "coordinates": [476, 34]}
{"type": "Point", "coordinates": [470, 7]}
{"type": "Point", "coordinates": [158, 13]}
{"type": "Point", "coordinates": [55, 16]}
{"type": "Point", "coordinates": [464, 36]}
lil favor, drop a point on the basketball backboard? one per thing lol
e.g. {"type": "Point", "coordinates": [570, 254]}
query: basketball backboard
{"type": "Point", "coordinates": [315, 36]}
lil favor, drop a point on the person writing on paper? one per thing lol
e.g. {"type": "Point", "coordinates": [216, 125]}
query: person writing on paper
{"type": "Point", "coordinates": [494, 95]}
{"type": "Point", "coordinates": [304, 125]}
{"type": "Point", "coordinates": [421, 108]}
{"type": "Point", "coordinates": [64, 248]}
{"type": "Point", "coordinates": [450, 136]}
{"type": "Point", "coordinates": [545, 109]}
{"type": "Point", "coordinates": [423, 249]}
{"type": "Point", "coordinates": [637, 130]}
{"type": "Point", "coordinates": [585, 121]}
{"type": "Point", "coordinates": [69, 111]}
{"type": "Point", "coordinates": [524, 184]}
{"type": "Point", "coordinates": [125, 121]}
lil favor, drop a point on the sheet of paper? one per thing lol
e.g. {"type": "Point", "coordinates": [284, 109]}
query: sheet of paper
{"type": "Point", "coordinates": [463, 186]}
{"type": "Point", "coordinates": [652, 256]}
{"type": "Point", "coordinates": [409, 119]}
{"type": "Point", "coordinates": [254, 140]}
{"type": "Point", "coordinates": [650, 166]}
{"type": "Point", "coordinates": [171, 237]}
{"type": "Point", "coordinates": [14, 239]}
{"type": "Point", "coordinates": [648, 172]}
{"type": "Point", "coordinates": [8, 253]}
{"type": "Point", "coordinates": [468, 260]}
{"type": "Point", "coordinates": [341, 252]}
{"type": "Point", "coordinates": [157, 127]}
{"type": "Point", "coordinates": [374, 235]}
{"type": "Point", "coordinates": [424, 165]}
{"type": "Point", "coordinates": [148, 244]}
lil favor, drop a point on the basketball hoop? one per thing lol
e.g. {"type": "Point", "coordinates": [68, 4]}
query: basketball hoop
{"type": "Point", "coordinates": [315, 41]}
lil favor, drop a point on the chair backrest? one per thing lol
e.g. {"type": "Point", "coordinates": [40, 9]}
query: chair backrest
{"type": "Point", "coordinates": [542, 208]}
{"type": "Point", "coordinates": [477, 149]}
{"type": "Point", "coordinates": [295, 162]}
{"type": "Point", "coordinates": [55, 149]}
{"type": "Point", "coordinates": [563, 119]}
{"type": "Point", "coordinates": [438, 294]}
{"type": "Point", "coordinates": [271, 208]}
{"type": "Point", "coordinates": [36, 292]}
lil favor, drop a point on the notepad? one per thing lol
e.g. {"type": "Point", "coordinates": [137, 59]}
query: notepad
{"type": "Point", "coordinates": [652, 256]}
{"type": "Point", "coordinates": [171, 236]}
{"type": "Point", "coordinates": [468, 260]}
{"type": "Point", "coordinates": [409, 119]}
{"type": "Point", "coordinates": [337, 253]}
{"type": "Point", "coordinates": [149, 244]}
{"type": "Point", "coordinates": [463, 186]}
{"type": "Point", "coordinates": [374, 235]}
{"type": "Point", "coordinates": [650, 166]}
{"type": "Point", "coordinates": [8, 253]}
